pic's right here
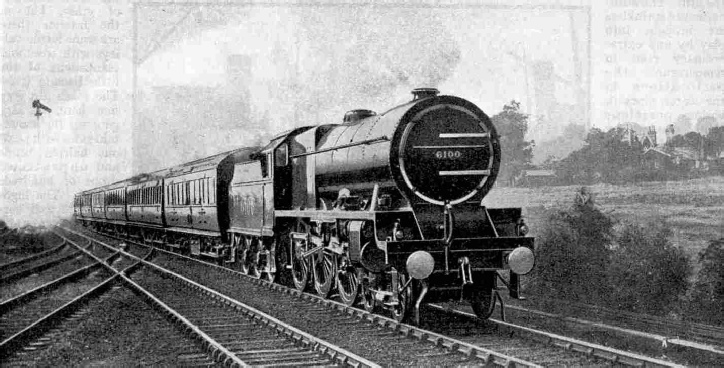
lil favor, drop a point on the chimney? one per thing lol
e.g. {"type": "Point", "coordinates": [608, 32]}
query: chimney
{"type": "Point", "coordinates": [669, 132]}
{"type": "Point", "coordinates": [652, 136]}
{"type": "Point", "coordinates": [421, 93]}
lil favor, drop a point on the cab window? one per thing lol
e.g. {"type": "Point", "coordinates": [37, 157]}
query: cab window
{"type": "Point", "coordinates": [282, 156]}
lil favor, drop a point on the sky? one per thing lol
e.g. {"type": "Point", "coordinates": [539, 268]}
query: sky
{"type": "Point", "coordinates": [646, 62]}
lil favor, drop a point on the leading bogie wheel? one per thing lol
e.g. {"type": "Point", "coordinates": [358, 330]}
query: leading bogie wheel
{"type": "Point", "coordinates": [401, 311]}
{"type": "Point", "coordinates": [367, 295]}
{"type": "Point", "coordinates": [482, 300]}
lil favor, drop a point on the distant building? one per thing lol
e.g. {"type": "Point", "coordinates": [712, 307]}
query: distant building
{"type": "Point", "coordinates": [649, 141]}
{"type": "Point", "coordinates": [688, 159]}
{"type": "Point", "coordinates": [657, 159]}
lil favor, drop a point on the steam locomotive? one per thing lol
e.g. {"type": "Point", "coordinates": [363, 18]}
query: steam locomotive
{"type": "Point", "coordinates": [383, 209]}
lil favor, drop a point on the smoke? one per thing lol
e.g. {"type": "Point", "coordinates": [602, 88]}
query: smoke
{"type": "Point", "coordinates": [572, 138]}
{"type": "Point", "coordinates": [294, 67]}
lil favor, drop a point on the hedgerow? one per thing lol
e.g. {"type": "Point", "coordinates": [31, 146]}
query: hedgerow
{"type": "Point", "coordinates": [706, 303]}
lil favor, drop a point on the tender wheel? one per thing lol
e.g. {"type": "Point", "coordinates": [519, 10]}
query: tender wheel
{"type": "Point", "coordinates": [254, 261]}
{"type": "Point", "coordinates": [324, 266]}
{"type": "Point", "coordinates": [348, 283]}
{"type": "Point", "coordinates": [300, 266]}
{"type": "Point", "coordinates": [269, 260]}
{"type": "Point", "coordinates": [243, 254]}
{"type": "Point", "coordinates": [401, 311]}
{"type": "Point", "coordinates": [482, 300]}
{"type": "Point", "coordinates": [185, 248]}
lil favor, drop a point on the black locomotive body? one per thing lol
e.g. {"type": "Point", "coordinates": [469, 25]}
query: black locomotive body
{"type": "Point", "coordinates": [384, 208]}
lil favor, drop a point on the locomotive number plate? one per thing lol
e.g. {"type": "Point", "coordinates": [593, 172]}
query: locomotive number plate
{"type": "Point", "coordinates": [446, 155]}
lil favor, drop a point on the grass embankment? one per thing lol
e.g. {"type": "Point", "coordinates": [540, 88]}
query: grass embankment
{"type": "Point", "coordinates": [693, 209]}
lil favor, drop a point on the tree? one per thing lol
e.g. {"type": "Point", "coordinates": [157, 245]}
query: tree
{"type": "Point", "coordinates": [517, 153]}
{"type": "Point", "coordinates": [704, 123]}
{"type": "Point", "coordinates": [572, 255]}
{"type": "Point", "coordinates": [682, 124]}
{"type": "Point", "coordinates": [605, 157]}
{"type": "Point", "coordinates": [716, 140]}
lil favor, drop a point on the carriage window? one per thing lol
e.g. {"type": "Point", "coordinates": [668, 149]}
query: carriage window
{"type": "Point", "coordinates": [282, 156]}
{"type": "Point", "coordinates": [212, 190]}
{"type": "Point", "coordinates": [202, 197]}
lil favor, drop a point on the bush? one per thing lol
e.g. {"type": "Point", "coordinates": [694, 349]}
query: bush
{"type": "Point", "coordinates": [707, 297]}
{"type": "Point", "coordinates": [572, 255]}
{"type": "Point", "coordinates": [581, 258]}
{"type": "Point", "coordinates": [647, 274]}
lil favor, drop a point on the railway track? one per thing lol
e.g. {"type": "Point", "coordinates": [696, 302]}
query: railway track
{"type": "Point", "coordinates": [529, 342]}
{"type": "Point", "coordinates": [387, 333]}
{"type": "Point", "coordinates": [233, 333]}
{"type": "Point", "coordinates": [36, 310]}
{"type": "Point", "coordinates": [37, 263]}
{"type": "Point", "coordinates": [664, 331]}
{"type": "Point", "coordinates": [166, 344]}
{"type": "Point", "coordinates": [15, 265]}
{"type": "Point", "coordinates": [383, 340]}
{"type": "Point", "coordinates": [36, 323]}
{"type": "Point", "coordinates": [610, 330]}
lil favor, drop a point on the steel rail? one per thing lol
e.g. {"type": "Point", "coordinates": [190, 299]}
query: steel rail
{"type": "Point", "coordinates": [29, 271]}
{"type": "Point", "coordinates": [470, 350]}
{"type": "Point", "coordinates": [596, 350]}
{"type": "Point", "coordinates": [335, 352]}
{"type": "Point", "coordinates": [11, 303]}
{"type": "Point", "coordinates": [42, 254]}
{"type": "Point", "coordinates": [467, 349]}
{"type": "Point", "coordinates": [663, 341]}
{"type": "Point", "coordinates": [11, 343]}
